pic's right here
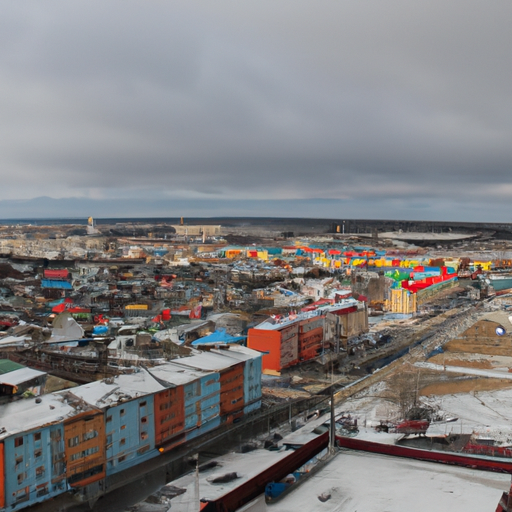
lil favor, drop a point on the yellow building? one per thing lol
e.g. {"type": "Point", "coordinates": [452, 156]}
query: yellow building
{"type": "Point", "coordinates": [402, 301]}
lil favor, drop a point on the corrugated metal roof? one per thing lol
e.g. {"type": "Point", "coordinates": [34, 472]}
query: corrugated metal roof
{"type": "Point", "coordinates": [219, 336]}
{"type": "Point", "coordinates": [7, 366]}
{"type": "Point", "coordinates": [56, 273]}
{"type": "Point", "coordinates": [52, 283]}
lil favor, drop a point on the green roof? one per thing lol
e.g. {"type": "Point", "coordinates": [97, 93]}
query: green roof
{"type": "Point", "coordinates": [7, 366]}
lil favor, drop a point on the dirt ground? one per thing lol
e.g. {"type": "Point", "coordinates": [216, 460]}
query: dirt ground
{"type": "Point", "coordinates": [501, 347]}
{"type": "Point", "coordinates": [57, 384]}
{"type": "Point", "coordinates": [465, 386]}
{"type": "Point", "coordinates": [446, 359]}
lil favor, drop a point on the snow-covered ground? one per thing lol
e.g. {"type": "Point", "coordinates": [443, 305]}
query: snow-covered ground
{"type": "Point", "coordinates": [480, 410]}
{"type": "Point", "coordinates": [497, 374]}
{"type": "Point", "coordinates": [476, 410]}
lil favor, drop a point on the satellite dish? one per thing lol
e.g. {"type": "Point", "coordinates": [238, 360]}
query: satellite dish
{"type": "Point", "coordinates": [500, 331]}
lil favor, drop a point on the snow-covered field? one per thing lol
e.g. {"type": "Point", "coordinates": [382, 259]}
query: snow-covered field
{"type": "Point", "coordinates": [477, 410]}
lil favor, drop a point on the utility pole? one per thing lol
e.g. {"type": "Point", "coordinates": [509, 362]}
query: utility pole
{"type": "Point", "coordinates": [337, 334]}
{"type": "Point", "coordinates": [332, 430]}
{"type": "Point", "coordinates": [197, 497]}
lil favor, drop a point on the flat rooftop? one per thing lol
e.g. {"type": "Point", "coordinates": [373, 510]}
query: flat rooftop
{"type": "Point", "coordinates": [364, 481]}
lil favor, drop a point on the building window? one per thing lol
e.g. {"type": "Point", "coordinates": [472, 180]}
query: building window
{"type": "Point", "coordinates": [21, 477]}
{"type": "Point", "coordinates": [121, 412]}
{"type": "Point", "coordinates": [90, 435]}
{"type": "Point", "coordinates": [142, 450]}
{"type": "Point", "coordinates": [73, 441]}
{"type": "Point", "coordinates": [38, 453]}
{"type": "Point", "coordinates": [167, 418]}
{"type": "Point", "coordinates": [144, 419]}
{"type": "Point", "coordinates": [122, 458]}
{"type": "Point", "coordinates": [85, 453]}
{"type": "Point", "coordinates": [109, 418]}
{"type": "Point", "coordinates": [143, 404]}
{"type": "Point", "coordinates": [59, 486]}
{"type": "Point", "coordinates": [91, 451]}
{"type": "Point", "coordinates": [122, 442]}
{"type": "Point", "coordinates": [123, 427]}
{"type": "Point", "coordinates": [143, 435]}
{"type": "Point", "coordinates": [22, 495]}
{"type": "Point", "coordinates": [76, 456]}
{"type": "Point", "coordinates": [41, 491]}
{"type": "Point", "coordinates": [39, 471]}
{"type": "Point", "coordinates": [37, 436]}
{"type": "Point", "coordinates": [18, 441]}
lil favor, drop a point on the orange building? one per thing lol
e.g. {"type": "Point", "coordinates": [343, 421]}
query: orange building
{"type": "Point", "coordinates": [84, 440]}
{"type": "Point", "coordinates": [311, 336]}
{"type": "Point", "coordinates": [278, 342]}
{"type": "Point", "coordinates": [232, 392]}
{"type": "Point", "coordinates": [169, 415]}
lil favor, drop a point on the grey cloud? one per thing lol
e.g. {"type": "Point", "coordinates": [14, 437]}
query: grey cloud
{"type": "Point", "coordinates": [394, 102]}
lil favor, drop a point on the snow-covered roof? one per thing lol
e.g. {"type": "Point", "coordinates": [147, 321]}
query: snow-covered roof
{"type": "Point", "coordinates": [12, 340]}
{"type": "Point", "coordinates": [208, 361]}
{"type": "Point", "coordinates": [176, 374]}
{"type": "Point", "coordinates": [238, 352]}
{"type": "Point", "coordinates": [121, 388]}
{"type": "Point", "coordinates": [17, 377]}
{"type": "Point", "coordinates": [24, 415]}
{"type": "Point", "coordinates": [367, 481]}
{"type": "Point", "coordinates": [287, 321]}
{"type": "Point", "coordinates": [65, 328]}
{"type": "Point", "coordinates": [247, 466]}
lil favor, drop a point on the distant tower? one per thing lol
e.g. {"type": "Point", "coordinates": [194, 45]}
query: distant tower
{"type": "Point", "coordinates": [91, 230]}
{"type": "Point", "coordinates": [181, 221]}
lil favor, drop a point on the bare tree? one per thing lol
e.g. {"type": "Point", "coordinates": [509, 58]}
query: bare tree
{"type": "Point", "coordinates": [402, 389]}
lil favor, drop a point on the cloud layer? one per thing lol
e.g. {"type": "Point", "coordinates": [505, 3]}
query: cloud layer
{"type": "Point", "coordinates": [391, 109]}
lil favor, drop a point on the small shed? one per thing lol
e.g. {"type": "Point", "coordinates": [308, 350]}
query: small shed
{"type": "Point", "coordinates": [16, 379]}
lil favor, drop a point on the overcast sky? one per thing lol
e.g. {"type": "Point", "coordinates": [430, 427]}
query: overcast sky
{"type": "Point", "coordinates": [387, 109]}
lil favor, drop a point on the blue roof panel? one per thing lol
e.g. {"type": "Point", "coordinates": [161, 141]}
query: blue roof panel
{"type": "Point", "coordinates": [53, 283]}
